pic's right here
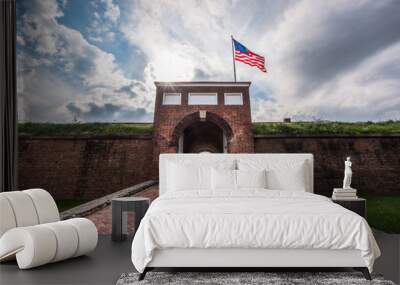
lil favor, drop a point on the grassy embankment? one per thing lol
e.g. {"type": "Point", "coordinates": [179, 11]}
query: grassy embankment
{"type": "Point", "coordinates": [326, 128]}
{"type": "Point", "coordinates": [66, 204]}
{"type": "Point", "coordinates": [294, 128]}
{"type": "Point", "coordinates": [84, 129]}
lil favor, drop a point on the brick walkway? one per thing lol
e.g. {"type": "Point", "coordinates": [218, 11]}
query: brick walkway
{"type": "Point", "coordinates": [102, 218]}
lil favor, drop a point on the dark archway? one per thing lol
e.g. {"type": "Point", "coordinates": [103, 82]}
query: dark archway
{"type": "Point", "coordinates": [203, 137]}
{"type": "Point", "coordinates": [193, 134]}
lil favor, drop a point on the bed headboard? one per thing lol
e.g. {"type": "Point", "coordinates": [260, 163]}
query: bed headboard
{"type": "Point", "coordinates": [192, 158]}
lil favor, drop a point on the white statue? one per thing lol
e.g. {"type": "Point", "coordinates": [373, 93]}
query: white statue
{"type": "Point", "coordinates": [347, 174]}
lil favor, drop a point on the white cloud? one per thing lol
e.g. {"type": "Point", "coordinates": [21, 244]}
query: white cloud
{"type": "Point", "coordinates": [319, 54]}
{"type": "Point", "coordinates": [173, 37]}
{"type": "Point", "coordinates": [366, 93]}
{"type": "Point", "coordinates": [20, 40]}
{"type": "Point", "coordinates": [112, 11]}
{"type": "Point", "coordinates": [45, 14]}
{"type": "Point", "coordinates": [104, 21]}
{"type": "Point", "coordinates": [360, 90]}
{"type": "Point", "coordinates": [42, 95]}
{"type": "Point", "coordinates": [67, 48]}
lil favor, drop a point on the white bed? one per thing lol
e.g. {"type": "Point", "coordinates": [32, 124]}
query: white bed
{"type": "Point", "coordinates": [282, 224]}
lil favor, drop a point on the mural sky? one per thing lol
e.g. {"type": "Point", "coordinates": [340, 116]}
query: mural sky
{"type": "Point", "coordinates": [96, 60]}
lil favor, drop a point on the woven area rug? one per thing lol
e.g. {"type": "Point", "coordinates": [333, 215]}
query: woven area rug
{"type": "Point", "coordinates": [225, 278]}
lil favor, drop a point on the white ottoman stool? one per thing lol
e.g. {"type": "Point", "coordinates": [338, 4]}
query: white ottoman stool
{"type": "Point", "coordinates": [33, 243]}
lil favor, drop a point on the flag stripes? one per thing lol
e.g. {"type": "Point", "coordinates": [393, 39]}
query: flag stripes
{"type": "Point", "coordinates": [246, 56]}
{"type": "Point", "coordinates": [260, 66]}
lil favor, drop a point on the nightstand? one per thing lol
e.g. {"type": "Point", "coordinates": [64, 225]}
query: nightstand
{"type": "Point", "coordinates": [120, 207]}
{"type": "Point", "coordinates": [357, 205]}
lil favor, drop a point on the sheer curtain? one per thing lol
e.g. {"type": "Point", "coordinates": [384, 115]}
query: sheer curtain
{"type": "Point", "coordinates": [8, 97]}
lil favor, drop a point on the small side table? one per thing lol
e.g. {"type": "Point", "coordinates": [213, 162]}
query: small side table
{"type": "Point", "coordinates": [357, 205]}
{"type": "Point", "coordinates": [120, 207]}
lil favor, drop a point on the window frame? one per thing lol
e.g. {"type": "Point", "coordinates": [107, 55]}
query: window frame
{"type": "Point", "coordinates": [165, 94]}
{"type": "Point", "coordinates": [227, 94]}
{"type": "Point", "coordinates": [215, 94]}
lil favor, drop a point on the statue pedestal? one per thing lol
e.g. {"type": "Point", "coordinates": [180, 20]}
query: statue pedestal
{"type": "Point", "coordinates": [342, 190]}
{"type": "Point", "coordinates": [340, 193]}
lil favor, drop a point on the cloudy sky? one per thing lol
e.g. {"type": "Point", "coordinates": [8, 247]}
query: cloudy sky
{"type": "Point", "coordinates": [96, 60]}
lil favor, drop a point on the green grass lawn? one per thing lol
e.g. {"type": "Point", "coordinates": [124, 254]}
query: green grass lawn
{"type": "Point", "coordinates": [87, 129]}
{"type": "Point", "coordinates": [383, 212]}
{"type": "Point", "coordinates": [326, 128]}
{"type": "Point", "coordinates": [69, 203]}
{"type": "Point", "coordinates": [294, 128]}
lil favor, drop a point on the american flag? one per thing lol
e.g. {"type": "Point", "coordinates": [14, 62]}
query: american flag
{"type": "Point", "coordinates": [246, 56]}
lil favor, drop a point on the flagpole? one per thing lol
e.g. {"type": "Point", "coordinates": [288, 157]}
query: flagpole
{"type": "Point", "coordinates": [233, 58]}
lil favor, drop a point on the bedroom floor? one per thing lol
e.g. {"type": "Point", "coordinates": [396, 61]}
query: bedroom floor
{"type": "Point", "coordinates": [110, 260]}
{"type": "Point", "coordinates": [103, 266]}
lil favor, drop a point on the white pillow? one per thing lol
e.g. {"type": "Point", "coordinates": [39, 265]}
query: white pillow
{"type": "Point", "coordinates": [281, 174]}
{"type": "Point", "coordinates": [287, 178]}
{"type": "Point", "coordinates": [223, 179]}
{"type": "Point", "coordinates": [182, 177]}
{"type": "Point", "coordinates": [251, 178]}
{"type": "Point", "coordinates": [193, 174]}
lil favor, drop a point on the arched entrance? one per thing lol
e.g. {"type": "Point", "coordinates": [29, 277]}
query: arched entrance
{"type": "Point", "coordinates": [195, 135]}
{"type": "Point", "coordinates": [203, 137]}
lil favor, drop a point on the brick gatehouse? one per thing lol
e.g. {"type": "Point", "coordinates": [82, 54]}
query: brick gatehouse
{"type": "Point", "coordinates": [194, 117]}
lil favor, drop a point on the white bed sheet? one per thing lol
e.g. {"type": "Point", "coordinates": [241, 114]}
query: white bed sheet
{"type": "Point", "coordinates": [253, 218]}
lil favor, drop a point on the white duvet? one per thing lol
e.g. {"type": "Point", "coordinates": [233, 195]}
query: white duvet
{"type": "Point", "coordinates": [250, 219]}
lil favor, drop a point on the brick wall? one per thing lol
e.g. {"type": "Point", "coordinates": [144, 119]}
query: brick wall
{"type": "Point", "coordinates": [94, 167]}
{"type": "Point", "coordinates": [376, 160]}
{"type": "Point", "coordinates": [84, 167]}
